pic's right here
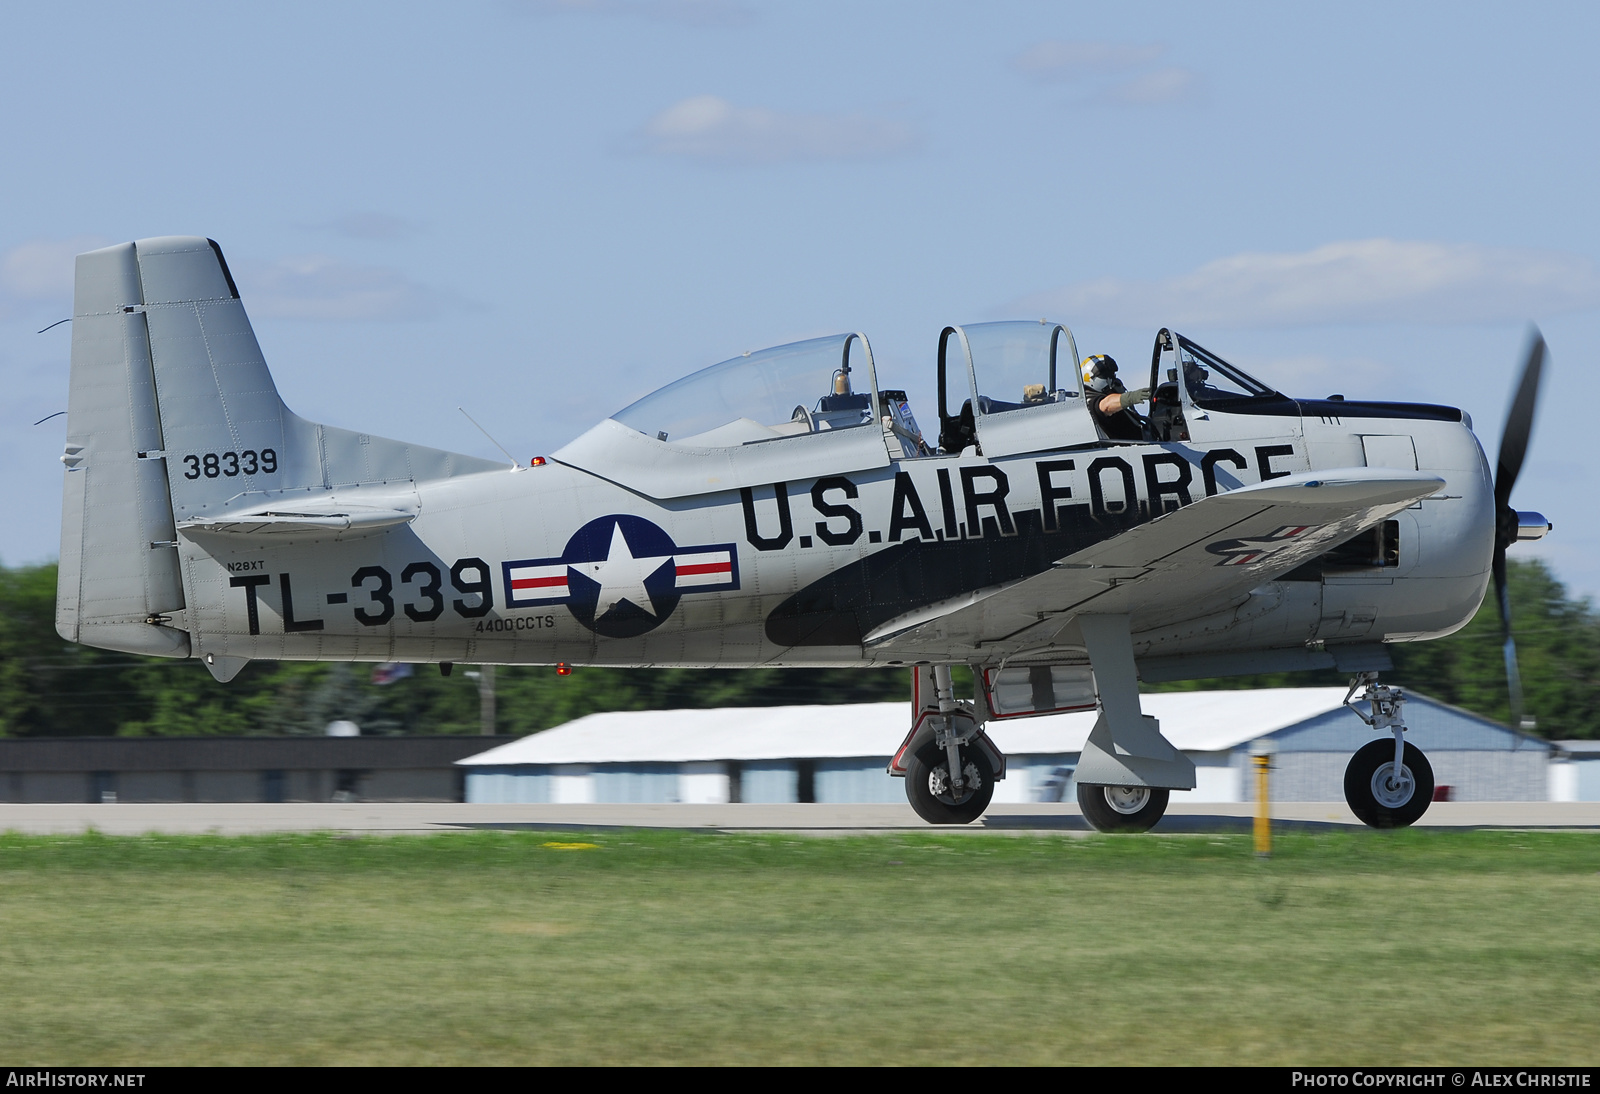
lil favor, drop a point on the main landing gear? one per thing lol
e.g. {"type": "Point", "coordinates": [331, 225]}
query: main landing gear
{"type": "Point", "coordinates": [1122, 808]}
{"type": "Point", "coordinates": [1388, 784]}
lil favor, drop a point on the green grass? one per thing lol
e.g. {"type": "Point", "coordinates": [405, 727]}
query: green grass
{"type": "Point", "coordinates": [1417, 947]}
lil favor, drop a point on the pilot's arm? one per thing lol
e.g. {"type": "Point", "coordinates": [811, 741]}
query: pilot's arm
{"type": "Point", "coordinates": [1122, 400]}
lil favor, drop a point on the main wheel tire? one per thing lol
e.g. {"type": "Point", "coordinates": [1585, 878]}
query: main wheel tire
{"type": "Point", "coordinates": [1122, 808]}
{"type": "Point", "coordinates": [1377, 798]}
{"type": "Point", "coordinates": [929, 791]}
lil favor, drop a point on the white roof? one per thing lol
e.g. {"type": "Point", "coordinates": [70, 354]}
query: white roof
{"type": "Point", "coordinates": [1194, 721]}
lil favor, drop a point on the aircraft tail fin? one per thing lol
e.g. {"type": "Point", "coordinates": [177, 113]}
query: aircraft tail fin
{"type": "Point", "coordinates": [173, 419]}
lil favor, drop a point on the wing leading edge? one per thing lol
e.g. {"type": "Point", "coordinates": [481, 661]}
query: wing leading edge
{"type": "Point", "coordinates": [1167, 569]}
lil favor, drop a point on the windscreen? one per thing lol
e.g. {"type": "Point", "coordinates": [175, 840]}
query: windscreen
{"type": "Point", "coordinates": [1212, 382]}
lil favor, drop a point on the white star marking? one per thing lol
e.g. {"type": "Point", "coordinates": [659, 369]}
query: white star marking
{"type": "Point", "coordinates": [621, 576]}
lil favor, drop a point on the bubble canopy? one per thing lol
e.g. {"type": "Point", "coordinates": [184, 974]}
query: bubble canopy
{"type": "Point", "coordinates": [805, 387]}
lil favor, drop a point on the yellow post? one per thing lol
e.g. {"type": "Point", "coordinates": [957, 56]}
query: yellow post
{"type": "Point", "coordinates": [1261, 754]}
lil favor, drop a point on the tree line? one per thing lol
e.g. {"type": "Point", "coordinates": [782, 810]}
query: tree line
{"type": "Point", "coordinates": [50, 687]}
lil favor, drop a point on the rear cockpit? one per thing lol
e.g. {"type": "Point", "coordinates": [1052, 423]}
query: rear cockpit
{"type": "Point", "coordinates": [822, 385]}
{"type": "Point", "coordinates": [815, 386]}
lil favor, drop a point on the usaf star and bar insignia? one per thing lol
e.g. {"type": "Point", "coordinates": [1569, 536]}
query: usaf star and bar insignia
{"type": "Point", "coordinates": [621, 575]}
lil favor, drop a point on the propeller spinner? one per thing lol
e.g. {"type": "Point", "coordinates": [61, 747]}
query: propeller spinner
{"type": "Point", "coordinates": [1510, 525]}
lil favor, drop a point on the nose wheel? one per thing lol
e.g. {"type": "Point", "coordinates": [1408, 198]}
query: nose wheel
{"type": "Point", "coordinates": [932, 792]}
{"type": "Point", "coordinates": [1122, 808]}
{"type": "Point", "coordinates": [1382, 797]}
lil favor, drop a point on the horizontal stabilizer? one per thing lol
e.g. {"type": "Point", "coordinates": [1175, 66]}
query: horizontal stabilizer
{"type": "Point", "coordinates": [328, 521]}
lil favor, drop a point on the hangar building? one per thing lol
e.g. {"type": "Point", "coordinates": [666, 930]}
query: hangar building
{"type": "Point", "coordinates": [1575, 774]}
{"type": "Point", "coordinates": [233, 769]}
{"type": "Point", "coordinates": [839, 753]}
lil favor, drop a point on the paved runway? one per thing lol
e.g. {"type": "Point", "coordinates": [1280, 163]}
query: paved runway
{"type": "Point", "coordinates": [414, 817]}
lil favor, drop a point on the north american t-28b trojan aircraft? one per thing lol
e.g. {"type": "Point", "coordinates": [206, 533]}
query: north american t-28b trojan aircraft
{"type": "Point", "coordinates": [783, 509]}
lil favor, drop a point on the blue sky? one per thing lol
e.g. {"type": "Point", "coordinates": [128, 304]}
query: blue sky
{"type": "Point", "coordinates": [541, 210]}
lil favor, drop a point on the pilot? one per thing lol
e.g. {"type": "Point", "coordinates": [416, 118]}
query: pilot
{"type": "Point", "coordinates": [1111, 402]}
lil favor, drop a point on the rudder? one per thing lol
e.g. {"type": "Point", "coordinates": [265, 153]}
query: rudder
{"type": "Point", "coordinates": [119, 571]}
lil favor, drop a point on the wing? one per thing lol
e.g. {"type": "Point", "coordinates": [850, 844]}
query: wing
{"type": "Point", "coordinates": [1168, 569]}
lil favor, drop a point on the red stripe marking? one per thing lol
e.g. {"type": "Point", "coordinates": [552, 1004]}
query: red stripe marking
{"type": "Point", "coordinates": [707, 568]}
{"type": "Point", "coordinates": [538, 582]}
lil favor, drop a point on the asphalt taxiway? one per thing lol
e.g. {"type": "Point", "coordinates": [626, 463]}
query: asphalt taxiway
{"type": "Point", "coordinates": [378, 818]}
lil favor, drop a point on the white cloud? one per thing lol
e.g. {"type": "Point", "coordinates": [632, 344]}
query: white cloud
{"type": "Point", "coordinates": [1359, 281]}
{"type": "Point", "coordinates": [321, 287]}
{"type": "Point", "coordinates": [706, 127]}
{"type": "Point", "coordinates": [704, 13]}
{"type": "Point", "coordinates": [369, 225]}
{"type": "Point", "coordinates": [1158, 88]}
{"type": "Point", "coordinates": [1072, 60]}
{"type": "Point", "coordinates": [1112, 72]}
{"type": "Point", "coordinates": [41, 269]}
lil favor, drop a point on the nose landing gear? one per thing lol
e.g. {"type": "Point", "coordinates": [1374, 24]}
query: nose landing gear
{"type": "Point", "coordinates": [950, 766]}
{"type": "Point", "coordinates": [1381, 798]}
{"type": "Point", "coordinates": [1388, 784]}
{"type": "Point", "coordinates": [935, 796]}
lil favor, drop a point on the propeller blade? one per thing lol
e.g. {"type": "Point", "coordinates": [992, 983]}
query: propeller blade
{"type": "Point", "coordinates": [1513, 449]}
{"type": "Point", "coordinates": [1519, 424]}
{"type": "Point", "coordinates": [1502, 594]}
{"type": "Point", "coordinates": [1514, 679]}
{"type": "Point", "coordinates": [1508, 647]}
